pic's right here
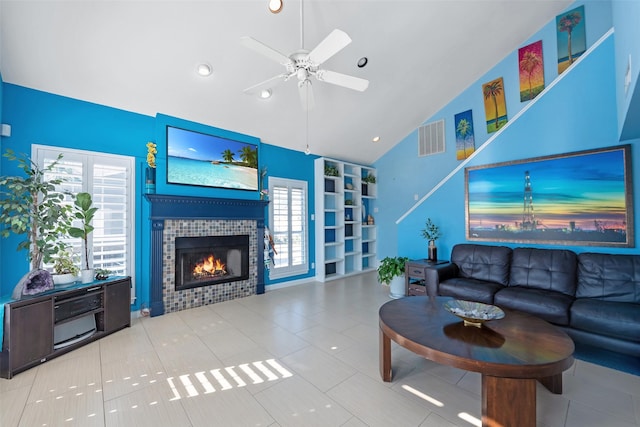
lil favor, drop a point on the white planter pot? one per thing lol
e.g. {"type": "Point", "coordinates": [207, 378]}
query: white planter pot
{"type": "Point", "coordinates": [86, 276]}
{"type": "Point", "coordinates": [396, 287]}
{"type": "Point", "coordinates": [63, 279]}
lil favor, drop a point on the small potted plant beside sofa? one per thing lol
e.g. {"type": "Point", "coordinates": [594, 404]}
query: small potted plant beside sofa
{"type": "Point", "coordinates": [391, 273]}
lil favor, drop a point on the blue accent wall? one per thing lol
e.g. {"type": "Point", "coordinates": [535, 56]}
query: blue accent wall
{"type": "Point", "coordinates": [43, 118]}
{"type": "Point", "coordinates": [284, 163]}
{"type": "Point", "coordinates": [1, 143]}
{"type": "Point", "coordinates": [578, 112]}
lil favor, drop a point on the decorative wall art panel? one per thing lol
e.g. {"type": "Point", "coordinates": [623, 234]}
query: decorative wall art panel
{"type": "Point", "coordinates": [495, 106]}
{"type": "Point", "coordinates": [572, 38]}
{"type": "Point", "coordinates": [582, 198]}
{"type": "Point", "coordinates": [531, 70]}
{"type": "Point", "coordinates": [465, 141]}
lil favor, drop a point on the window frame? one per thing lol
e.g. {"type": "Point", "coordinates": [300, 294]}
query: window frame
{"type": "Point", "coordinates": [40, 152]}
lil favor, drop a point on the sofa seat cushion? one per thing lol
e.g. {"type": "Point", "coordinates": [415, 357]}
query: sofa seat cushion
{"type": "Point", "coordinates": [469, 289]}
{"type": "Point", "coordinates": [548, 305]}
{"type": "Point", "coordinates": [615, 319]}
{"type": "Point", "coordinates": [548, 269]}
{"type": "Point", "coordinates": [481, 262]}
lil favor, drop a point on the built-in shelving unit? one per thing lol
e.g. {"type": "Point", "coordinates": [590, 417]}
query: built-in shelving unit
{"type": "Point", "coordinates": [345, 203]}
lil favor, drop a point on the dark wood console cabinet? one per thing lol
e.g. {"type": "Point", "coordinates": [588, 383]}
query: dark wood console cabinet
{"type": "Point", "coordinates": [30, 323]}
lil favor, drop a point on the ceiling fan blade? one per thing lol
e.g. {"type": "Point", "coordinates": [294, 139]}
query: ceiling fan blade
{"type": "Point", "coordinates": [350, 82]}
{"type": "Point", "coordinates": [306, 94]}
{"type": "Point", "coordinates": [269, 83]}
{"type": "Point", "coordinates": [265, 50]}
{"type": "Point", "coordinates": [332, 44]}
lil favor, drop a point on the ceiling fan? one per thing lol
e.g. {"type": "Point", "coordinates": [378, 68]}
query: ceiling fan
{"type": "Point", "coordinates": [304, 64]}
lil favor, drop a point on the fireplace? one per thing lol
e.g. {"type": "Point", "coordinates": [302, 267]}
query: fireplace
{"type": "Point", "coordinates": [174, 217]}
{"type": "Point", "coordinates": [210, 260]}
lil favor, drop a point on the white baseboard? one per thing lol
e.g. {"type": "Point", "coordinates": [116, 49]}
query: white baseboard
{"type": "Point", "coordinates": [282, 285]}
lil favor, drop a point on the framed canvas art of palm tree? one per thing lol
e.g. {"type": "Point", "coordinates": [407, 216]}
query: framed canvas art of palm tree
{"type": "Point", "coordinates": [465, 141]}
{"type": "Point", "coordinates": [572, 39]}
{"type": "Point", "coordinates": [531, 70]}
{"type": "Point", "coordinates": [495, 106]}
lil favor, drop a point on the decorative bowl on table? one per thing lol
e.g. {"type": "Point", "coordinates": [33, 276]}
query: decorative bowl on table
{"type": "Point", "coordinates": [473, 313]}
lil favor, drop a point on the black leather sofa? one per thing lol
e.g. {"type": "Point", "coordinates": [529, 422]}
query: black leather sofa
{"type": "Point", "coordinates": [593, 297]}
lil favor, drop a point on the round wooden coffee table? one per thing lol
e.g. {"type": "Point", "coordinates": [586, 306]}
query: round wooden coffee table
{"type": "Point", "coordinates": [510, 353]}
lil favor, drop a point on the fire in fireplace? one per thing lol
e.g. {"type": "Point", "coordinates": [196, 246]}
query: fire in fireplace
{"type": "Point", "coordinates": [210, 260]}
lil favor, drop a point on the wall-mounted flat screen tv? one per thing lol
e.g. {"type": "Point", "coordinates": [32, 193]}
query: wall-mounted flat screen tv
{"type": "Point", "coordinates": [195, 158]}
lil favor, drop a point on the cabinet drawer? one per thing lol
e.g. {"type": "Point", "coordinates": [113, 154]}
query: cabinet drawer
{"type": "Point", "coordinates": [416, 289]}
{"type": "Point", "coordinates": [416, 271]}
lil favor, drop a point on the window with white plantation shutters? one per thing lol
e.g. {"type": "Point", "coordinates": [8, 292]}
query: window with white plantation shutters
{"type": "Point", "coordinates": [288, 226]}
{"type": "Point", "coordinates": [109, 180]}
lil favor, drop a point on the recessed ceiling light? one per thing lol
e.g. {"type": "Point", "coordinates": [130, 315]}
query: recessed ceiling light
{"type": "Point", "coordinates": [204, 69]}
{"type": "Point", "coordinates": [362, 62]}
{"type": "Point", "coordinates": [376, 139]}
{"type": "Point", "coordinates": [275, 6]}
{"type": "Point", "coordinates": [265, 93]}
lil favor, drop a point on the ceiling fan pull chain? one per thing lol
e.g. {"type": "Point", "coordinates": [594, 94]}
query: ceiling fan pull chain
{"type": "Point", "coordinates": [301, 24]}
{"type": "Point", "coordinates": [307, 151]}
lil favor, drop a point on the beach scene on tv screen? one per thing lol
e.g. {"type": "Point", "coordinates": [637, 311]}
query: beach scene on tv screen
{"type": "Point", "coordinates": [195, 158]}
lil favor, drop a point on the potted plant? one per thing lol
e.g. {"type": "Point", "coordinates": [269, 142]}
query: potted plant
{"type": "Point", "coordinates": [330, 170]}
{"type": "Point", "coordinates": [31, 205]}
{"type": "Point", "coordinates": [431, 232]}
{"type": "Point", "coordinates": [366, 180]}
{"type": "Point", "coordinates": [369, 179]}
{"type": "Point", "coordinates": [84, 212]}
{"type": "Point", "coordinates": [391, 273]}
{"type": "Point", "coordinates": [65, 269]}
{"type": "Point", "coordinates": [102, 274]}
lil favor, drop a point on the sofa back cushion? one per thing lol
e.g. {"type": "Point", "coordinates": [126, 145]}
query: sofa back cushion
{"type": "Point", "coordinates": [482, 262]}
{"type": "Point", "coordinates": [549, 269]}
{"type": "Point", "coordinates": [609, 277]}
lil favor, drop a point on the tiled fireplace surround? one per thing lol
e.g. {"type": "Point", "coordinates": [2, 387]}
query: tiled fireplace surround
{"type": "Point", "coordinates": [183, 216]}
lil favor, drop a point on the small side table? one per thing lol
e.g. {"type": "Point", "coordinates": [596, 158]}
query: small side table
{"type": "Point", "coordinates": [420, 277]}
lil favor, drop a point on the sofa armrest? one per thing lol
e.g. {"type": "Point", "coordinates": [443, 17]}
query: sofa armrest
{"type": "Point", "coordinates": [443, 272]}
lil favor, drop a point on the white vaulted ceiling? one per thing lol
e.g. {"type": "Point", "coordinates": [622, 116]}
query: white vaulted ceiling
{"type": "Point", "coordinates": [141, 56]}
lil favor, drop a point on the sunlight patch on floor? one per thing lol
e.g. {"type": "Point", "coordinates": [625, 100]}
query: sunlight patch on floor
{"type": "Point", "coordinates": [421, 395]}
{"type": "Point", "coordinates": [470, 419]}
{"type": "Point", "coordinates": [191, 385]}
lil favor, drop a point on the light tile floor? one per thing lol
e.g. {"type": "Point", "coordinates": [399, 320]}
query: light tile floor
{"type": "Point", "coordinates": [306, 355]}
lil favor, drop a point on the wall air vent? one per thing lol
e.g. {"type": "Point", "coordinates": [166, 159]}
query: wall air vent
{"type": "Point", "coordinates": [431, 138]}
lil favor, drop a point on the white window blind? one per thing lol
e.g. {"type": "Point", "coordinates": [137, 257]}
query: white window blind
{"type": "Point", "coordinates": [289, 228]}
{"type": "Point", "coordinates": [109, 180]}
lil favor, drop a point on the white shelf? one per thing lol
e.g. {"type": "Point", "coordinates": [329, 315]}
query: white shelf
{"type": "Point", "coordinates": [343, 257]}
